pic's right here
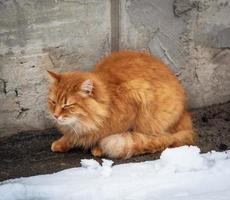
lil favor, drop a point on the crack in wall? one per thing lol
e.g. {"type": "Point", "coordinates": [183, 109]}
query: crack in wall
{"type": "Point", "coordinates": [165, 51]}
{"type": "Point", "coordinates": [196, 76]}
{"type": "Point", "coordinates": [180, 7]}
{"type": "Point", "coordinates": [22, 110]}
{"type": "Point", "coordinates": [4, 83]}
{"type": "Point", "coordinates": [51, 60]}
{"type": "Point", "coordinates": [16, 92]}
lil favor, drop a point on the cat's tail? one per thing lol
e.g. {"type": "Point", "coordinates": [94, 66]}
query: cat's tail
{"type": "Point", "coordinates": [127, 144]}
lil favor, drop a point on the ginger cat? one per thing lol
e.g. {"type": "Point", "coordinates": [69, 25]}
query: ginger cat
{"type": "Point", "coordinates": [130, 104]}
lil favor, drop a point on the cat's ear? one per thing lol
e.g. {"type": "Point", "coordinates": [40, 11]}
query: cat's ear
{"type": "Point", "coordinates": [53, 76]}
{"type": "Point", "coordinates": [86, 88]}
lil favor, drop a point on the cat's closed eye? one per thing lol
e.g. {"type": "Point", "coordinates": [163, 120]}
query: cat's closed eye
{"type": "Point", "coordinates": [52, 101]}
{"type": "Point", "coordinates": [68, 106]}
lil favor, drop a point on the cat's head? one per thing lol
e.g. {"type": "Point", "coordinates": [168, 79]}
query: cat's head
{"type": "Point", "coordinates": [77, 99]}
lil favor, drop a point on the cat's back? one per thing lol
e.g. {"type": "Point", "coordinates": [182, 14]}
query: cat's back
{"type": "Point", "coordinates": [129, 65]}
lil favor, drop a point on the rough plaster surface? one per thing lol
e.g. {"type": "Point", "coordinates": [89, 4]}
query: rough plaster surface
{"type": "Point", "coordinates": [151, 25]}
{"type": "Point", "coordinates": [192, 37]}
{"type": "Point", "coordinates": [37, 35]}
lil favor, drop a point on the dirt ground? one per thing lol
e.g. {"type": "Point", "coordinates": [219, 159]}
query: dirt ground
{"type": "Point", "coordinates": [28, 153]}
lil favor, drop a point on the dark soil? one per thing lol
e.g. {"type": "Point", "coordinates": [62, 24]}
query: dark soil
{"type": "Point", "coordinates": [28, 153]}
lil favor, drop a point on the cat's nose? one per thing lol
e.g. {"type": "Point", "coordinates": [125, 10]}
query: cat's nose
{"type": "Point", "coordinates": [56, 116]}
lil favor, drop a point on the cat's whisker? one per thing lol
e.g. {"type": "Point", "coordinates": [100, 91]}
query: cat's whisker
{"type": "Point", "coordinates": [54, 118]}
{"type": "Point", "coordinates": [68, 125]}
{"type": "Point", "coordinates": [74, 130]}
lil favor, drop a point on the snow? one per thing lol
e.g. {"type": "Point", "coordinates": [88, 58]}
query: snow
{"type": "Point", "coordinates": [180, 174]}
{"type": "Point", "coordinates": [183, 159]}
{"type": "Point", "coordinates": [105, 169]}
{"type": "Point", "coordinates": [89, 164]}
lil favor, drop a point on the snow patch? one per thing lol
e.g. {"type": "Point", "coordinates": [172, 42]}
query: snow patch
{"type": "Point", "coordinates": [182, 159]}
{"type": "Point", "coordinates": [90, 164]}
{"type": "Point", "coordinates": [105, 169]}
{"type": "Point", "coordinates": [18, 189]}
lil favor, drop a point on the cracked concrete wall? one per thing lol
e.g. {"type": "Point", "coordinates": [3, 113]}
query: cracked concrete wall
{"type": "Point", "coordinates": [37, 35]}
{"type": "Point", "coordinates": [192, 37]}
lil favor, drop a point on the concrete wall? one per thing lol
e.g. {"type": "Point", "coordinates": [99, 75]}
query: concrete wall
{"type": "Point", "coordinates": [192, 37]}
{"type": "Point", "coordinates": [36, 35]}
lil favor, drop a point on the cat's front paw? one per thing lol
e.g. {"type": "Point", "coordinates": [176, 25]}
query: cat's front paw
{"type": "Point", "coordinates": [97, 151]}
{"type": "Point", "coordinates": [58, 146]}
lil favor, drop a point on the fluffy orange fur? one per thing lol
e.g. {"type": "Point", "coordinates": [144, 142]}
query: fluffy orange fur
{"type": "Point", "coordinates": [130, 104]}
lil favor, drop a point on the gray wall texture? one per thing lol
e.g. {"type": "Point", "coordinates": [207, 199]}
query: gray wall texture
{"type": "Point", "coordinates": [191, 37]}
